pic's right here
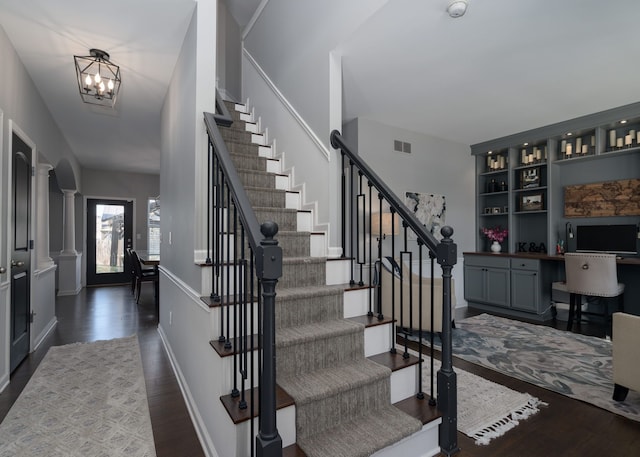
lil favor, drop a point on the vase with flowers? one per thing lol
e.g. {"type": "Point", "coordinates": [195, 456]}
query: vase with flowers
{"type": "Point", "coordinates": [497, 235]}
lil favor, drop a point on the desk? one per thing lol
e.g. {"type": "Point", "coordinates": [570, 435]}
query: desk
{"type": "Point", "coordinates": [532, 277]}
{"type": "Point", "coordinates": [146, 258]}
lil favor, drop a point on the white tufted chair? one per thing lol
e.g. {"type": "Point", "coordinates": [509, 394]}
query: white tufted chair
{"type": "Point", "coordinates": [590, 274]}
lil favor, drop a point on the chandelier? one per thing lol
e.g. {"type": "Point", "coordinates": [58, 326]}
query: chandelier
{"type": "Point", "coordinates": [98, 78]}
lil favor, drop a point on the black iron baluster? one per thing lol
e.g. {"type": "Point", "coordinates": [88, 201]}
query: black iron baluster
{"type": "Point", "coordinates": [370, 244]}
{"type": "Point", "coordinates": [432, 400]}
{"type": "Point", "coordinates": [420, 394]}
{"type": "Point", "coordinates": [360, 227]}
{"type": "Point", "coordinates": [351, 225]}
{"type": "Point", "coordinates": [344, 207]}
{"type": "Point", "coordinates": [209, 190]}
{"type": "Point", "coordinates": [393, 281]}
{"type": "Point", "coordinates": [380, 238]}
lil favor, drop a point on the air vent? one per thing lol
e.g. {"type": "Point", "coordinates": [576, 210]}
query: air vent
{"type": "Point", "coordinates": [401, 146]}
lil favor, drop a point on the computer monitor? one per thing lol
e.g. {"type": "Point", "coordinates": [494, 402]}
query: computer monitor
{"type": "Point", "coordinates": [615, 239]}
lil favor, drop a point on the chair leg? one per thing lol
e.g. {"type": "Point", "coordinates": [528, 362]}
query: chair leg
{"type": "Point", "coordinates": [620, 392]}
{"type": "Point", "coordinates": [571, 311]}
{"type": "Point", "coordinates": [138, 291]}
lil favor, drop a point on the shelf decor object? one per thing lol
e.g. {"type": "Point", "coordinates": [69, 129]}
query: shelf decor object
{"type": "Point", "coordinates": [602, 199]}
{"type": "Point", "coordinates": [532, 202]}
{"type": "Point", "coordinates": [530, 177]}
{"type": "Point", "coordinates": [496, 235]}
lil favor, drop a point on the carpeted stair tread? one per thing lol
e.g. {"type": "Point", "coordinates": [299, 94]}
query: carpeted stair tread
{"type": "Point", "coordinates": [248, 161]}
{"type": "Point", "coordinates": [261, 197]}
{"type": "Point", "coordinates": [321, 384]}
{"type": "Point", "coordinates": [362, 436]}
{"type": "Point", "coordinates": [291, 336]}
{"type": "Point", "coordinates": [241, 147]}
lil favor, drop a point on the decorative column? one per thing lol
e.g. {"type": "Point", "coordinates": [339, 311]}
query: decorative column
{"type": "Point", "coordinates": [69, 237]}
{"type": "Point", "coordinates": [42, 219]}
{"type": "Point", "coordinates": [70, 261]}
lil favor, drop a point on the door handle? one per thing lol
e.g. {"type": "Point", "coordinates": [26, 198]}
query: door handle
{"type": "Point", "coordinates": [17, 264]}
{"type": "Point", "coordinates": [3, 270]}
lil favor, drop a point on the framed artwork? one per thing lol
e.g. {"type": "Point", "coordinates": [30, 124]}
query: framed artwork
{"type": "Point", "coordinates": [430, 209]}
{"type": "Point", "coordinates": [529, 178]}
{"type": "Point", "coordinates": [532, 202]}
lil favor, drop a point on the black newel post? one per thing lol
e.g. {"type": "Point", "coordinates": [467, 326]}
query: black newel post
{"type": "Point", "coordinates": [447, 253]}
{"type": "Point", "coordinates": [269, 262]}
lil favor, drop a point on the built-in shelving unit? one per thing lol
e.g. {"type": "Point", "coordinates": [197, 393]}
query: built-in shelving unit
{"type": "Point", "coordinates": [520, 179]}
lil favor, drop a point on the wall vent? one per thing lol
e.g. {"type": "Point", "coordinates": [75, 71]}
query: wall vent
{"type": "Point", "coordinates": [401, 146]}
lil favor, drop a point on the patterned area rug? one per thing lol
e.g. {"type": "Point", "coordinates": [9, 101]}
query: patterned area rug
{"type": "Point", "coordinates": [85, 399]}
{"type": "Point", "coordinates": [577, 366]}
{"type": "Point", "coordinates": [486, 410]}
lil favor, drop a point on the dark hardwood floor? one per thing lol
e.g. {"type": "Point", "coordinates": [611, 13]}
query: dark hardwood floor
{"type": "Point", "coordinates": [111, 312]}
{"type": "Point", "coordinates": [566, 427]}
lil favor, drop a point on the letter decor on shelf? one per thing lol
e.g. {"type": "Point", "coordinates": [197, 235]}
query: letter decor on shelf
{"type": "Point", "coordinates": [603, 199]}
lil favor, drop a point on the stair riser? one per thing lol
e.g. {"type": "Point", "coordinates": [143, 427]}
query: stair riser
{"type": "Point", "coordinates": [248, 162]}
{"type": "Point", "coordinates": [318, 353]}
{"type": "Point", "coordinates": [287, 220]}
{"type": "Point", "coordinates": [301, 275]}
{"type": "Point", "coordinates": [340, 407]}
{"type": "Point", "coordinates": [239, 136]}
{"type": "Point", "coordinates": [293, 312]}
{"type": "Point", "coordinates": [267, 198]}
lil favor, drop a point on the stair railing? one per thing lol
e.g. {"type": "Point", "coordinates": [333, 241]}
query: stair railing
{"type": "Point", "coordinates": [364, 199]}
{"type": "Point", "coordinates": [246, 263]}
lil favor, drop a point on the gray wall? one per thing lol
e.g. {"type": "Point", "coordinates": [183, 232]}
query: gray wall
{"type": "Point", "coordinates": [21, 103]}
{"type": "Point", "coordinates": [292, 41]}
{"type": "Point", "coordinates": [434, 166]}
{"type": "Point", "coordinates": [120, 185]}
{"type": "Point", "coordinates": [229, 55]}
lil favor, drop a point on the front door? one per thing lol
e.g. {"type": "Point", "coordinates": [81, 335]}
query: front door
{"type": "Point", "coordinates": [109, 230]}
{"type": "Point", "coordinates": [20, 251]}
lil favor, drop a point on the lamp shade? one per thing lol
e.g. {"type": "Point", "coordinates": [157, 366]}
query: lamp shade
{"type": "Point", "coordinates": [98, 78]}
{"type": "Point", "coordinates": [389, 223]}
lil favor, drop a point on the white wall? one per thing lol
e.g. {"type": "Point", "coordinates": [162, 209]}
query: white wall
{"type": "Point", "coordinates": [435, 166]}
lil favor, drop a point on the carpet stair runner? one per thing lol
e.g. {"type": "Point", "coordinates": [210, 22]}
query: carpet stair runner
{"type": "Point", "coordinates": [342, 399]}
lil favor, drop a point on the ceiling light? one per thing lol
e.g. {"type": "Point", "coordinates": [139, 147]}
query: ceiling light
{"type": "Point", "coordinates": [624, 121]}
{"type": "Point", "coordinates": [98, 78]}
{"type": "Point", "coordinates": [457, 8]}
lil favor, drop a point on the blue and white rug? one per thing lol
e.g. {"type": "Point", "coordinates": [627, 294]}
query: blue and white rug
{"type": "Point", "coordinates": [574, 365]}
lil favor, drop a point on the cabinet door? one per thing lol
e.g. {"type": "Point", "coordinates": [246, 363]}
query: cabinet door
{"type": "Point", "coordinates": [497, 281]}
{"type": "Point", "coordinates": [474, 284]}
{"type": "Point", "coordinates": [525, 288]}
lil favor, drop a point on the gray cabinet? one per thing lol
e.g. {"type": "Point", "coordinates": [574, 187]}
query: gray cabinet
{"type": "Point", "coordinates": [509, 284]}
{"type": "Point", "coordinates": [525, 284]}
{"type": "Point", "coordinates": [487, 280]}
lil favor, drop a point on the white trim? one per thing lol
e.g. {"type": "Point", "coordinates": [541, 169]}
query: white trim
{"type": "Point", "coordinates": [310, 133]}
{"type": "Point", "coordinates": [254, 18]}
{"type": "Point", "coordinates": [43, 335]}
{"type": "Point", "coordinates": [196, 418]}
{"type": "Point", "coordinates": [184, 287]}
{"type": "Point", "coordinates": [39, 272]}
{"type": "Point", "coordinates": [192, 407]}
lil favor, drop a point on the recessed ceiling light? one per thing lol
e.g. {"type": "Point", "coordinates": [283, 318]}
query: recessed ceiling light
{"type": "Point", "coordinates": [569, 133]}
{"type": "Point", "coordinates": [526, 144]}
{"type": "Point", "coordinates": [623, 121]}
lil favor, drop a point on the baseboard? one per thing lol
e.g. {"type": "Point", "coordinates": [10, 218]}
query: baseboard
{"type": "Point", "coordinates": [62, 293]}
{"type": "Point", "coordinates": [194, 413]}
{"type": "Point", "coordinates": [48, 329]}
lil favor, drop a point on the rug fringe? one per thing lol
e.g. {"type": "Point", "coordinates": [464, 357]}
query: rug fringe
{"type": "Point", "coordinates": [500, 427]}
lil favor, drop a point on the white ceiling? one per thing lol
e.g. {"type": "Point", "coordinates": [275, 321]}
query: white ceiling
{"type": "Point", "coordinates": [504, 67]}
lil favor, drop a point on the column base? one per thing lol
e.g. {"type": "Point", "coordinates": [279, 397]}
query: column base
{"type": "Point", "coordinates": [69, 274]}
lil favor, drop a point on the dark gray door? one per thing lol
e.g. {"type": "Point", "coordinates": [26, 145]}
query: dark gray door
{"type": "Point", "coordinates": [20, 251]}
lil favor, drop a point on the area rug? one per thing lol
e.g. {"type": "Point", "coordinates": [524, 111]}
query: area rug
{"type": "Point", "coordinates": [84, 399]}
{"type": "Point", "coordinates": [486, 410]}
{"type": "Point", "coordinates": [574, 365]}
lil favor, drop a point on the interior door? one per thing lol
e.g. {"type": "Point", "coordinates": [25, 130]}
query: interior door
{"type": "Point", "coordinates": [20, 251]}
{"type": "Point", "coordinates": [109, 233]}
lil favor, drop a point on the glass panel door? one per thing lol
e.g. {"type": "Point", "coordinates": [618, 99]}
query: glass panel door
{"type": "Point", "coordinates": [108, 235]}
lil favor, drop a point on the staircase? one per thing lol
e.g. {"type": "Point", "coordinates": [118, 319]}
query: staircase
{"type": "Point", "coordinates": [341, 391]}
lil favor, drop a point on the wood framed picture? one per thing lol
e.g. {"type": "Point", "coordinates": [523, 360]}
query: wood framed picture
{"type": "Point", "coordinates": [532, 202]}
{"type": "Point", "coordinates": [530, 177]}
